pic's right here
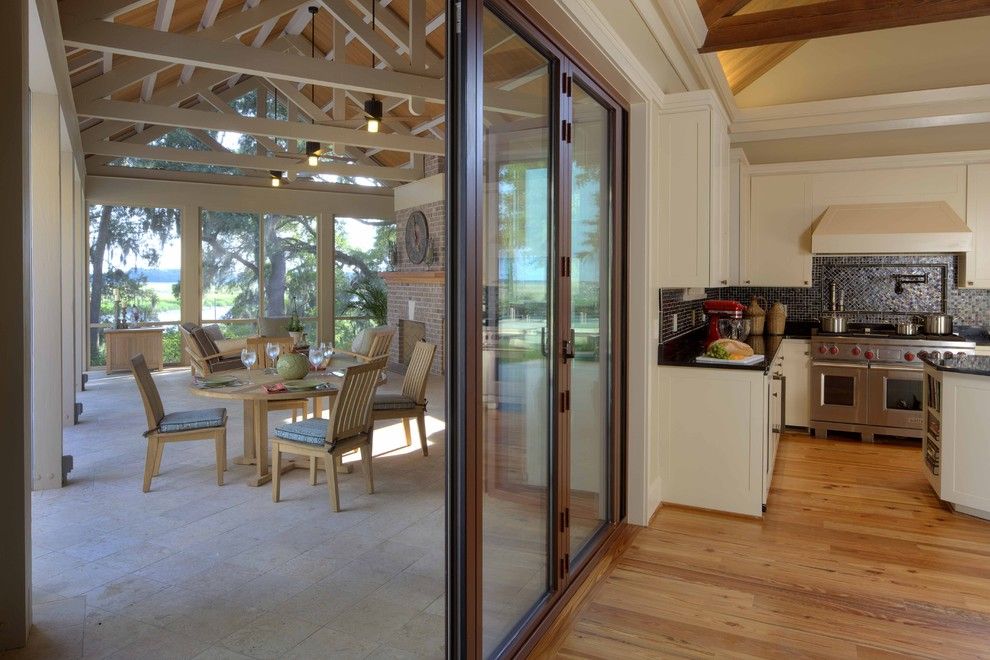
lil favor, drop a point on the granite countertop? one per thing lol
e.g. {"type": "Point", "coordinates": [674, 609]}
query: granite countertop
{"type": "Point", "coordinates": [974, 334]}
{"type": "Point", "coordinates": [975, 365]}
{"type": "Point", "coordinates": [682, 351]}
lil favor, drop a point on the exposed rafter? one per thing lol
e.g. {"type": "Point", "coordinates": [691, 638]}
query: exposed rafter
{"type": "Point", "coordinates": [713, 10]}
{"type": "Point", "coordinates": [181, 118]}
{"type": "Point", "coordinates": [831, 18]}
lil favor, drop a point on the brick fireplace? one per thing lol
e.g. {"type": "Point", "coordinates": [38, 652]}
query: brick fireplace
{"type": "Point", "coordinates": [416, 292]}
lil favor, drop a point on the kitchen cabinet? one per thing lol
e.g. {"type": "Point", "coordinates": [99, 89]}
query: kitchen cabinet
{"type": "Point", "coordinates": [974, 267]}
{"type": "Point", "coordinates": [797, 371]}
{"type": "Point", "coordinates": [942, 183]}
{"type": "Point", "coordinates": [775, 239]}
{"type": "Point", "coordinates": [955, 451]}
{"type": "Point", "coordinates": [719, 433]}
{"type": "Point", "coordinates": [693, 192]}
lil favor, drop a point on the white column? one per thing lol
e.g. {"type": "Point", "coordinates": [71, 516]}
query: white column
{"type": "Point", "coordinates": [191, 290]}
{"type": "Point", "coordinates": [68, 265]}
{"type": "Point", "coordinates": [80, 248]}
{"type": "Point", "coordinates": [46, 293]}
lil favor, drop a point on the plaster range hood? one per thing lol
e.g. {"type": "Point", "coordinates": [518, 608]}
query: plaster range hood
{"type": "Point", "coordinates": [896, 228]}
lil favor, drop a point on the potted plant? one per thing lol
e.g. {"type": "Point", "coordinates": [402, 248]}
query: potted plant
{"type": "Point", "coordinates": [295, 328]}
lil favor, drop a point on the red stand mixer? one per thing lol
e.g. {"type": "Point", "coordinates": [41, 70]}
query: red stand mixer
{"type": "Point", "coordinates": [717, 310]}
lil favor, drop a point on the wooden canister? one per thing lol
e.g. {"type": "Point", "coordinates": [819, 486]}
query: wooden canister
{"type": "Point", "coordinates": [777, 319]}
{"type": "Point", "coordinates": [757, 315]}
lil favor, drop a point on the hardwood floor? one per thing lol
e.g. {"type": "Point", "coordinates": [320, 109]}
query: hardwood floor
{"type": "Point", "coordinates": [856, 557]}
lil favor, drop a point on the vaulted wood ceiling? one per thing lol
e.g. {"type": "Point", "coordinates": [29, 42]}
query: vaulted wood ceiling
{"type": "Point", "coordinates": [140, 68]}
{"type": "Point", "coordinates": [752, 37]}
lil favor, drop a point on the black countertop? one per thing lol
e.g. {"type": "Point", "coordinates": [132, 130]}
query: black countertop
{"type": "Point", "coordinates": [975, 365]}
{"type": "Point", "coordinates": [682, 351]}
{"type": "Point", "coordinates": [974, 334]}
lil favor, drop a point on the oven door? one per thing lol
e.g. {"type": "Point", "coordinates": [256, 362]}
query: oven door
{"type": "Point", "coordinates": [839, 392]}
{"type": "Point", "coordinates": [896, 396]}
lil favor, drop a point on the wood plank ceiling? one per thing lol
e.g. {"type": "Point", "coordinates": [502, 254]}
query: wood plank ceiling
{"type": "Point", "coordinates": [752, 36]}
{"type": "Point", "coordinates": [167, 74]}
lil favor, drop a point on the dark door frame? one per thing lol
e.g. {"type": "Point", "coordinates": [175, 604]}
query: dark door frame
{"type": "Point", "coordinates": [465, 249]}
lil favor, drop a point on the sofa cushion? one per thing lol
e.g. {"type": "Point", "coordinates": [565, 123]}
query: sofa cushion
{"type": "Point", "coordinates": [214, 332]}
{"type": "Point", "coordinates": [311, 431]}
{"type": "Point", "coordinates": [392, 402]}
{"type": "Point", "coordinates": [193, 419]}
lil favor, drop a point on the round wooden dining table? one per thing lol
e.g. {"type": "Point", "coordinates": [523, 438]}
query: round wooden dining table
{"type": "Point", "coordinates": [251, 388]}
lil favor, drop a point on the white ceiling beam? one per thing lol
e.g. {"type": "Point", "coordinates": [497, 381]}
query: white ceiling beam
{"type": "Point", "coordinates": [237, 58]}
{"type": "Point", "coordinates": [339, 94]}
{"type": "Point", "coordinates": [163, 20]}
{"type": "Point", "coordinates": [230, 27]}
{"type": "Point", "coordinates": [417, 35]}
{"type": "Point", "coordinates": [399, 31]}
{"type": "Point", "coordinates": [344, 12]}
{"type": "Point", "coordinates": [290, 164]}
{"type": "Point", "coordinates": [210, 12]}
{"type": "Point", "coordinates": [80, 62]}
{"type": "Point", "coordinates": [79, 11]}
{"type": "Point", "coordinates": [168, 116]}
{"type": "Point", "coordinates": [221, 105]}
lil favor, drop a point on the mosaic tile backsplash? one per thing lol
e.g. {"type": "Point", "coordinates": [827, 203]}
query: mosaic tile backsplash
{"type": "Point", "coordinates": [928, 285]}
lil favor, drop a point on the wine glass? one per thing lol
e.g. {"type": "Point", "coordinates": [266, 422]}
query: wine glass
{"type": "Point", "coordinates": [248, 357]}
{"type": "Point", "coordinates": [272, 349]}
{"type": "Point", "coordinates": [315, 357]}
{"type": "Point", "coordinates": [328, 350]}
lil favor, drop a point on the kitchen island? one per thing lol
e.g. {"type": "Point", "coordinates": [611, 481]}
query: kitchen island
{"type": "Point", "coordinates": [720, 424]}
{"type": "Point", "coordinates": [956, 444]}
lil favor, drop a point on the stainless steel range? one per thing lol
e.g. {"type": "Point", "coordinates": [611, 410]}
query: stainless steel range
{"type": "Point", "coordinates": [869, 380]}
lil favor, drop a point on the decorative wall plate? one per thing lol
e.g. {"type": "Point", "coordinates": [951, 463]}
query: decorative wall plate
{"type": "Point", "coordinates": [417, 237]}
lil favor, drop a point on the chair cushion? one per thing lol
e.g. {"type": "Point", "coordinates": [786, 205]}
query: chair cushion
{"type": "Point", "coordinates": [214, 332]}
{"type": "Point", "coordinates": [225, 364]}
{"type": "Point", "coordinates": [392, 402]}
{"type": "Point", "coordinates": [311, 431]}
{"type": "Point", "coordinates": [362, 342]}
{"type": "Point", "coordinates": [193, 419]}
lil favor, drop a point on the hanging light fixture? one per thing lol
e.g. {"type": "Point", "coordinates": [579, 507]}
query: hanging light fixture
{"type": "Point", "coordinates": [373, 107]}
{"type": "Point", "coordinates": [313, 148]}
{"type": "Point", "coordinates": [276, 178]}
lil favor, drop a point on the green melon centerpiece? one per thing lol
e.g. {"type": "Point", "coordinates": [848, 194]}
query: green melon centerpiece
{"type": "Point", "coordinates": [292, 366]}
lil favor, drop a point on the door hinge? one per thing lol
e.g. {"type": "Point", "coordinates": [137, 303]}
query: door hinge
{"type": "Point", "coordinates": [566, 83]}
{"type": "Point", "coordinates": [565, 519]}
{"type": "Point", "coordinates": [565, 266]}
{"type": "Point", "coordinates": [565, 563]}
{"type": "Point", "coordinates": [565, 130]}
{"type": "Point", "coordinates": [457, 18]}
{"type": "Point", "coordinates": [565, 401]}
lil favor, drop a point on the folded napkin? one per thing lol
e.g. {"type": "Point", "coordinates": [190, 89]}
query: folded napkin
{"type": "Point", "coordinates": [276, 388]}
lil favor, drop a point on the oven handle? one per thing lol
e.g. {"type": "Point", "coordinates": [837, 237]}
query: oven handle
{"type": "Point", "coordinates": [891, 367]}
{"type": "Point", "coordinates": [852, 365]}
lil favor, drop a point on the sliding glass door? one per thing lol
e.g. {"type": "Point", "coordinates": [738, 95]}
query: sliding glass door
{"type": "Point", "coordinates": [548, 179]}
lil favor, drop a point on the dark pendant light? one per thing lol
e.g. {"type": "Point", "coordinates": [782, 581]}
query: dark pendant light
{"type": "Point", "coordinates": [313, 149]}
{"type": "Point", "coordinates": [373, 107]}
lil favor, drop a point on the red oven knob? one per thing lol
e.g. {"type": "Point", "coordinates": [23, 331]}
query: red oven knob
{"type": "Point", "coordinates": [856, 351]}
{"type": "Point", "coordinates": [834, 350]}
{"type": "Point", "coordinates": [822, 350]}
{"type": "Point", "coordinates": [870, 355]}
{"type": "Point", "coordinates": [947, 355]}
{"type": "Point", "coordinates": [922, 354]}
{"type": "Point", "coordinates": [909, 357]}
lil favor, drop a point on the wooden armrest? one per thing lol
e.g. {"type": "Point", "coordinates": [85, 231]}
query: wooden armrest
{"type": "Point", "coordinates": [203, 358]}
{"type": "Point", "coordinates": [359, 356]}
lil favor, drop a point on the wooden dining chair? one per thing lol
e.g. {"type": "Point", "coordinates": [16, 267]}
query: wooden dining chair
{"type": "Point", "coordinates": [210, 424]}
{"type": "Point", "coordinates": [380, 344]}
{"type": "Point", "coordinates": [298, 407]}
{"type": "Point", "coordinates": [348, 428]}
{"type": "Point", "coordinates": [411, 402]}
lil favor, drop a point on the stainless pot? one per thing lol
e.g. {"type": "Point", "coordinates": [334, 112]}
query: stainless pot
{"type": "Point", "coordinates": [907, 328]}
{"type": "Point", "coordinates": [833, 323]}
{"type": "Point", "coordinates": [938, 324]}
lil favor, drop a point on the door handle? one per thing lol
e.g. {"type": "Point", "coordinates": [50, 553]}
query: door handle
{"type": "Point", "coordinates": [567, 348]}
{"type": "Point", "coordinates": [543, 341]}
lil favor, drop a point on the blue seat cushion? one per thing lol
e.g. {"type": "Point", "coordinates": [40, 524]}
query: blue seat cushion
{"type": "Point", "coordinates": [193, 419]}
{"type": "Point", "coordinates": [311, 431]}
{"type": "Point", "coordinates": [392, 402]}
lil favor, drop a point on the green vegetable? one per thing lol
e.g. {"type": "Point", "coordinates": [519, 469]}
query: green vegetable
{"type": "Point", "coordinates": [718, 351]}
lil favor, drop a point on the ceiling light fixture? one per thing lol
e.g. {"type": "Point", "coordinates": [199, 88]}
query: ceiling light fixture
{"type": "Point", "coordinates": [373, 107]}
{"type": "Point", "coordinates": [313, 149]}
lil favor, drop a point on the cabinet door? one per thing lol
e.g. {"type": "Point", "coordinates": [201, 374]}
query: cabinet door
{"type": "Point", "coordinates": [797, 370]}
{"type": "Point", "coordinates": [776, 240]}
{"type": "Point", "coordinates": [685, 198]}
{"type": "Point", "coordinates": [975, 265]}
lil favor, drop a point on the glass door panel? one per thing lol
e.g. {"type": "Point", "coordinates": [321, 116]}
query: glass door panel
{"type": "Point", "coordinates": [590, 314]}
{"type": "Point", "coordinates": [517, 363]}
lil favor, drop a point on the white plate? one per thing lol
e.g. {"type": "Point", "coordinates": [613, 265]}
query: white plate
{"type": "Point", "coordinates": [745, 362]}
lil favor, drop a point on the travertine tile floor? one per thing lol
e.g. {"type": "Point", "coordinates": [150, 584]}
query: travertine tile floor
{"type": "Point", "coordinates": [192, 570]}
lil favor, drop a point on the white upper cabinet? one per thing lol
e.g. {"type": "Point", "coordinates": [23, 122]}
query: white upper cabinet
{"type": "Point", "coordinates": [944, 183]}
{"type": "Point", "coordinates": [974, 267]}
{"type": "Point", "coordinates": [694, 206]}
{"type": "Point", "coordinates": [775, 240]}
